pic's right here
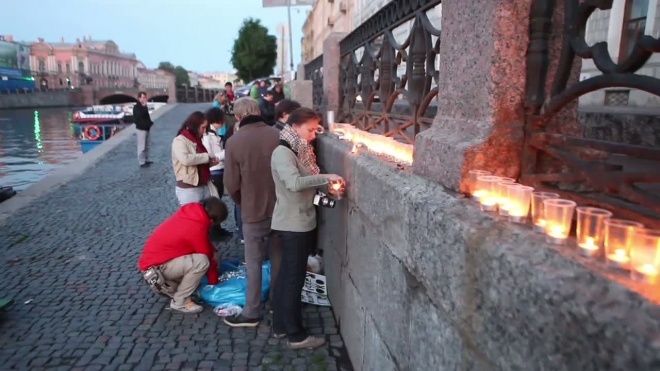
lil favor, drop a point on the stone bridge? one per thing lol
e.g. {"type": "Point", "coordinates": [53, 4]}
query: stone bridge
{"type": "Point", "coordinates": [90, 95]}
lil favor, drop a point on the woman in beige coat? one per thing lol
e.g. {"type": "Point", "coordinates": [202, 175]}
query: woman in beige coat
{"type": "Point", "coordinates": [192, 162]}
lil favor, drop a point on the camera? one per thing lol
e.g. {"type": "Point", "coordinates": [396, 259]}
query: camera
{"type": "Point", "coordinates": [321, 199]}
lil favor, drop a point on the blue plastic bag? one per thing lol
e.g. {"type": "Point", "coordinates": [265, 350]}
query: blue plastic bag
{"type": "Point", "coordinates": [233, 289]}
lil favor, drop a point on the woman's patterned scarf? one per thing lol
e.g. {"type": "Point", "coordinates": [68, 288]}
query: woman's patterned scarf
{"type": "Point", "coordinates": [302, 148]}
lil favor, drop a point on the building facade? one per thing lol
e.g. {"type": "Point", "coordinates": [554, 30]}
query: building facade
{"type": "Point", "coordinates": [194, 78]}
{"type": "Point", "coordinates": [282, 66]}
{"type": "Point", "coordinates": [210, 83]}
{"type": "Point", "coordinates": [154, 79]}
{"type": "Point", "coordinates": [326, 16]}
{"type": "Point", "coordinates": [223, 77]}
{"type": "Point", "coordinates": [87, 61]}
{"type": "Point", "coordinates": [620, 27]}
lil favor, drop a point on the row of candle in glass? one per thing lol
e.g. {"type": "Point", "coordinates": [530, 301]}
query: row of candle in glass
{"type": "Point", "coordinates": [376, 143]}
{"type": "Point", "coordinates": [625, 245]}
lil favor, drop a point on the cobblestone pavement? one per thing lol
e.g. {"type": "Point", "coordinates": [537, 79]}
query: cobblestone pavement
{"type": "Point", "coordinates": [69, 261]}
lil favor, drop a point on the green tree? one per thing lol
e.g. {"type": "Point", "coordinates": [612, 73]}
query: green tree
{"type": "Point", "coordinates": [179, 72]}
{"type": "Point", "coordinates": [255, 51]}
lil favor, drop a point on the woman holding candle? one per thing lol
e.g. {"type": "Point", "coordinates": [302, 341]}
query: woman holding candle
{"type": "Point", "coordinates": [296, 176]}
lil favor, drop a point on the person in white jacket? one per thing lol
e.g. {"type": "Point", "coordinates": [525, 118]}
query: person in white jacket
{"type": "Point", "coordinates": [213, 143]}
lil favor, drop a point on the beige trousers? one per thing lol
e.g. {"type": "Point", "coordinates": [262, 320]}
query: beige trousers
{"type": "Point", "coordinates": [184, 274]}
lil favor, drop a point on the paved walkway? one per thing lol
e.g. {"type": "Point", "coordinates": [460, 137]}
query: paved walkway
{"type": "Point", "coordinates": [69, 260]}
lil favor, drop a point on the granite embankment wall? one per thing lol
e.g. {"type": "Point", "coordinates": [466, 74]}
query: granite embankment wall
{"type": "Point", "coordinates": [420, 279]}
{"type": "Point", "coordinates": [61, 98]}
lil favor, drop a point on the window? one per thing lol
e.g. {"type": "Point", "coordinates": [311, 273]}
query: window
{"type": "Point", "coordinates": [634, 25]}
{"type": "Point", "coordinates": [59, 68]}
{"type": "Point", "coordinates": [68, 67]}
{"type": "Point", "coordinates": [42, 65]}
{"type": "Point", "coordinates": [81, 67]}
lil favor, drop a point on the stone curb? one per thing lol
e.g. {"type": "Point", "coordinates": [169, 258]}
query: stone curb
{"type": "Point", "coordinates": [70, 171]}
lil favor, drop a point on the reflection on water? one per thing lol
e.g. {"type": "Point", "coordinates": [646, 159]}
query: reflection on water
{"type": "Point", "coordinates": [34, 143]}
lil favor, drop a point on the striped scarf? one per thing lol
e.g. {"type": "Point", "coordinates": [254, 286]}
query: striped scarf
{"type": "Point", "coordinates": [302, 148]}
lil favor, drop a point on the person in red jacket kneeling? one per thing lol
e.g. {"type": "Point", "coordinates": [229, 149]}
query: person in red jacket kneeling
{"type": "Point", "coordinates": [181, 250]}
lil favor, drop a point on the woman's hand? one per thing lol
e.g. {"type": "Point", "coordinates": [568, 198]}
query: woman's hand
{"type": "Point", "coordinates": [334, 178]}
{"type": "Point", "coordinates": [213, 161]}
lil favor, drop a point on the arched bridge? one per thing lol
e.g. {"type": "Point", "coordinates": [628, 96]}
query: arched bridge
{"type": "Point", "coordinates": [123, 95]}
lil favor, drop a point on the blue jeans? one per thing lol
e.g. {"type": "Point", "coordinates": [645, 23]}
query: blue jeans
{"type": "Point", "coordinates": [239, 221]}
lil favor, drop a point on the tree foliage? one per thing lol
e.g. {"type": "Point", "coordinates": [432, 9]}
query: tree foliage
{"type": "Point", "coordinates": [255, 51]}
{"type": "Point", "coordinates": [179, 72]}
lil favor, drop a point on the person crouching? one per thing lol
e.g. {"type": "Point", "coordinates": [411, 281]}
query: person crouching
{"type": "Point", "coordinates": [180, 252]}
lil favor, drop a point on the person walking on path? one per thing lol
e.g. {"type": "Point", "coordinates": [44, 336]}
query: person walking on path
{"type": "Point", "coordinates": [180, 250]}
{"type": "Point", "coordinates": [142, 123]}
{"type": "Point", "coordinates": [249, 182]}
{"type": "Point", "coordinates": [296, 176]}
{"type": "Point", "coordinates": [215, 120]}
{"type": "Point", "coordinates": [191, 161]}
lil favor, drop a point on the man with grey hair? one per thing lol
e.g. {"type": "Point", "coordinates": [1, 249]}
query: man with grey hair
{"type": "Point", "coordinates": [249, 182]}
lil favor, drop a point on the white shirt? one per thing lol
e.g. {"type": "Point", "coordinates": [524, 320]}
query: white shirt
{"type": "Point", "coordinates": [214, 148]}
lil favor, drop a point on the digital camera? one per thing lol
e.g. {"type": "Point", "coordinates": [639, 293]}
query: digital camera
{"type": "Point", "coordinates": [321, 199]}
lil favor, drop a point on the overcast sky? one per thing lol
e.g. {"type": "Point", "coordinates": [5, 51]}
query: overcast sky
{"type": "Point", "coordinates": [197, 34]}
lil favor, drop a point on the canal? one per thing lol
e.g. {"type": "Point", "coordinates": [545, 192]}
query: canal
{"type": "Point", "coordinates": [35, 143]}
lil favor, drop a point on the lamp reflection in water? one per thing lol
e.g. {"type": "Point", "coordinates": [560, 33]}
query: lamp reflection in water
{"type": "Point", "coordinates": [618, 239]}
{"type": "Point", "coordinates": [645, 256]}
{"type": "Point", "coordinates": [590, 229]}
{"type": "Point", "coordinates": [559, 217]}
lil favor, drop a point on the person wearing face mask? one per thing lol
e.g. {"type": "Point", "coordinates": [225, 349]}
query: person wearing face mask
{"type": "Point", "coordinates": [215, 119]}
{"type": "Point", "coordinates": [191, 161]}
{"type": "Point", "coordinates": [283, 110]}
{"type": "Point", "coordinates": [296, 176]}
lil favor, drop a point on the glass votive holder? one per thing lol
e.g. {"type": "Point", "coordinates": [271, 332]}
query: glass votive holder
{"type": "Point", "coordinates": [590, 226]}
{"type": "Point", "coordinates": [645, 256]}
{"type": "Point", "coordinates": [617, 240]}
{"type": "Point", "coordinates": [502, 194]}
{"type": "Point", "coordinates": [519, 199]}
{"type": "Point", "coordinates": [486, 189]}
{"type": "Point", "coordinates": [472, 182]}
{"type": "Point", "coordinates": [559, 218]}
{"type": "Point", "coordinates": [538, 216]}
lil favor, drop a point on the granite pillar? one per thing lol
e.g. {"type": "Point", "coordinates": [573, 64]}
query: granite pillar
{"type": "Point", "coordinates": [331, 72]}
{"type": "Point", "coordinates": [302, 92]}
{"type": "Point", "coordinates": [479, 124]}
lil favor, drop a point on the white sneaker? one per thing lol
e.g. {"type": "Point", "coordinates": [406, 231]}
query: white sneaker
{"type": "Point", "coordinates": [189, 307]}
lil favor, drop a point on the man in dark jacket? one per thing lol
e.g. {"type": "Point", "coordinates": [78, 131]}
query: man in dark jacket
{"type": "Point", "coordinates": [180, 248]}
{"type": "Point", "coordinates": [249, 182]}
{"type": "Point", "coordinates": [267, 108]}
{"type": "Point", "coordinates": [142, 123]}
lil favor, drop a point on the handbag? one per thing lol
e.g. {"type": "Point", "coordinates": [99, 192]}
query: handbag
{"type": "Point", "coordinates": [156, 281]}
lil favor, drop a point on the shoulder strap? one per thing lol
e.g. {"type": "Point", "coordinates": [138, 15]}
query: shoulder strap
{"type": "Point", "coordinates": [286, 144]}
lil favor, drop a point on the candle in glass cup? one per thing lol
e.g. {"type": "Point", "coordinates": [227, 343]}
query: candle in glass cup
{"type": "Point", "coordinates": [519, 199]}
{"type": "Point", "coordinates": [645, 256]}
{"type": "Point", "coordinates": [486, 188]}
{"type": "Point", "coordinates": [559, 217]}
{"type": "Point", "coordinates": [472, 182]}
{"type": "Point", "coordinates": [503, 196]}
{"type": "Point", "coordinates": [618, 239]}
{"type": "Point", "coordinates": [538, 217]}
{"type": "Point", "coordinates": [590, 226]}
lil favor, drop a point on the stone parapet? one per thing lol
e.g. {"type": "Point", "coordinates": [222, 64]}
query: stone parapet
{"type": "Point", "coordinates": [302, 92]}
{"type": "Point", "coordinates": [420, 279]}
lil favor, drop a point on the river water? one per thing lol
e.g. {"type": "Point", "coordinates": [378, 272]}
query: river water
{"type": "Point", "coordinates": [34, 143]}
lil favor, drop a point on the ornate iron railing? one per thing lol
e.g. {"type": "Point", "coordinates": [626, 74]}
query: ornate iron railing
{"type": "Point", "coordinates": [616, 175]}
{"type": "Point", "coordinates": [314, 72]}
{"type": "Point", "coordinates": [373, 78]}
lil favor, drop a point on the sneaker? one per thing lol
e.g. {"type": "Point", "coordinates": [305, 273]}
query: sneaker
{"type": "Point", "coordinates": [311, 342]}
{"type": "Point", "coordinates": [145, 164]}
{"type": "Point", "coordinates": [148, 162]}
{"type": "Point", "coordinates": [240, 321]}
{"type": "Point", "coordinates": [189, 307]}
{"type": "Point", "coordinates": [242, 240]}
{"type": "Point", "coordinates": [279, 336]}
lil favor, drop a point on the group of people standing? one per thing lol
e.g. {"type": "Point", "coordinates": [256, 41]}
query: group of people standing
{"type": "Point", "coordinates": [270, 172]}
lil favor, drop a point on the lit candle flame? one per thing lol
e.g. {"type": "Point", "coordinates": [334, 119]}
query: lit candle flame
{"type": "Point", "coordinates": [557, 231]}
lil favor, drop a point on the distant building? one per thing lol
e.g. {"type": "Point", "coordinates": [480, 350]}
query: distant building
{"type": "Point", "coordinates": [209, 83]}
{"type": "Point", "coordinates": [15, 71]}
{"type": "Point", "coordinates": [223, 77]}
{"type": "Point", "coordinates": [620, 27]}
{"type": "Point", "coordinates": [71, 64]}
{"type": "Point", "coordinates": [194, 78]}
{"type": "Point", "coordinates": [154, 79]}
